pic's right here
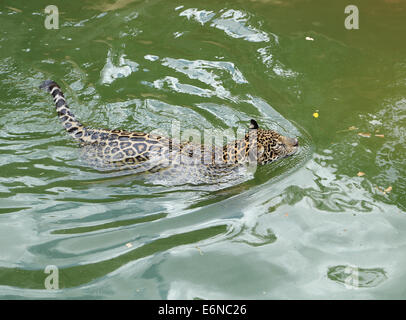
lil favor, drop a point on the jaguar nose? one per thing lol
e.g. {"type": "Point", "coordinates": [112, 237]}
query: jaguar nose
{"type": "Point", "coordinates": [290, 142]}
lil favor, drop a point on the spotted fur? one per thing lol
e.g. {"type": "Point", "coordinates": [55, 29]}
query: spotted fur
{"type": "Point", "coordinates": [154, 153]}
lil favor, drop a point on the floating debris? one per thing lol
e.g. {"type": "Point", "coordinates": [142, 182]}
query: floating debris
{"type": "Point", "coordinates": [309, 39]}
{"type": "Point", "coordinates": [128, 245]}
{"type": "Point", "coordinates": [200, 250]}
{"type": "Point", "coordinates": [349, 129]}
{"type": "Point", "coordinates": [14, 9]}
{"type": "Point", "coordinates": [316, 114]}
{"type": "Point", "coordinates": [360, 174]}
{"type": "Point", "coordinates": [388, 189]}
{"type": "Point", "coordinates": [364, 134]}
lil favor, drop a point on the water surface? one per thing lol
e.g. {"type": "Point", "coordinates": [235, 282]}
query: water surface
{"type": "Point", "coordinates": [326, 223]}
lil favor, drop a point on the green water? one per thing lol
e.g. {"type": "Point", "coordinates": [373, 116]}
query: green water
{"type": "Point", "coordinates": [304, 227]}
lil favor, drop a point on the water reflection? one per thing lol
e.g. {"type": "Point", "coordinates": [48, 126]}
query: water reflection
{"type": "Point", "coordinates": [354, 277]}
{"type": "Point", "coordinates": [83, 274]}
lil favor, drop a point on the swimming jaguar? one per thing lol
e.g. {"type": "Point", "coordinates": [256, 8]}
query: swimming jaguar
{"type": "Point", "coordinates": [153, 153]}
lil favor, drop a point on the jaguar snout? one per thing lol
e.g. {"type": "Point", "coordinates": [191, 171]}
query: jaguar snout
{"type": "Point", "coordinates": [290, 142]}
{"type": "Point", "coordinates": [291, 145]}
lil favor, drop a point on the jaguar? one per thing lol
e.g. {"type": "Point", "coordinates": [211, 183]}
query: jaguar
{"type": "Point", "coordinates": [156, 154]}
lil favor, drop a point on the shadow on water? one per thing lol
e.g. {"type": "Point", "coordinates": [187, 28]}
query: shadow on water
{"type": "Point", "coordinates": [115, 224]}
{"type": "Point", "coordinates": [82, 274]}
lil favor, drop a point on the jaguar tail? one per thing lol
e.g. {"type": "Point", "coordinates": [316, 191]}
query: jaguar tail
{"type": "Point", "coordinates": [69, 122]}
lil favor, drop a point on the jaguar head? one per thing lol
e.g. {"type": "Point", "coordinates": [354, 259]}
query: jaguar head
{"type": "Point", "coordinates": [272, 145]}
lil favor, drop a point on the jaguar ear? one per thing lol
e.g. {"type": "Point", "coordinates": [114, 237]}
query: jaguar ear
{"type": "Point", "coordinates": [253, 124]}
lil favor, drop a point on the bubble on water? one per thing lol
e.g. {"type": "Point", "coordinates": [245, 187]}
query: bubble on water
{"type": "Point", "coordinates": [178, 34]}
{"type": "Point", "coordinates": [273, 64]}
{"type": "Point", "coordinates": [201, 16]}
{"type": "Point", "coordinates": [357, 277]}
{"type": "Point", "coordinates": [175, 85]}
{"type": "Point", "coordinates": [234, 23]}
{"type": "Point", "coordinates": [111, 72]}
{"type": "Point", "coordinates": [151, 57]}
{"type": "Point", "coordinates": [211, 73]}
